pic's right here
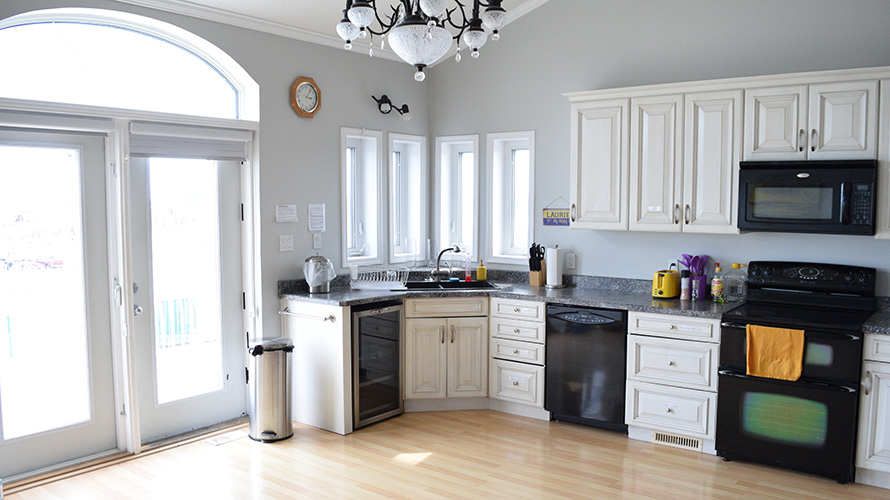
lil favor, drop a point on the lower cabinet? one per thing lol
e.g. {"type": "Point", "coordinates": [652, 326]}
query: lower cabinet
{"type": "Point", "coordinates": [517, 382]}
{"type": "Point", "coordinates": [873, 445]}
{"type": "Point", "coordinates": [517, 353]}
{"type": "Point", "coordinates": [445, 357]}
{"type": "Point", "coordinates": [672, 380]}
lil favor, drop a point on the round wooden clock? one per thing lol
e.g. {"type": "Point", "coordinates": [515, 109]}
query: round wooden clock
{"type": "Point", "coordinates": [305, 97]}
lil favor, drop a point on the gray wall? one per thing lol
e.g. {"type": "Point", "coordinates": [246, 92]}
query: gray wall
{"type": "Point", "coordinates": [299, 158]}
{"type": "Point", "coordinates": [574, 45]}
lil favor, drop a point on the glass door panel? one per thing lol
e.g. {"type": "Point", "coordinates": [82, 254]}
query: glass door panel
{"type": "Point", "coordinates": [55, 336]}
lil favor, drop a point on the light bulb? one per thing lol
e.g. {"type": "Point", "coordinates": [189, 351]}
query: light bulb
{"type": "Point", "coordinates": [419, 76]}
{"type": "Point", "coordinates": [362, 34]}
{"type": "Point", "coordinates": [348, 46]}
{"type": "Point", "coordinates": [475, 54]}
{"type": "Point", "coordinates": [495, 36]}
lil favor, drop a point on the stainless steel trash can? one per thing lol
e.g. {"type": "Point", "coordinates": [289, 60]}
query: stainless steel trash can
{"type": "Point", "coordinates": [269, 387]}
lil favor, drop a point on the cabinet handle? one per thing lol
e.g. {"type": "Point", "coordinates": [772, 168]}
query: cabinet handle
{"type": "Point", "coordinates": [671, 361]}
{"type": "Point", "coordinates": [573, 212]}
{"type": "Point", "coordinates": [442, 335]}
{"type": "Point", "coordinates": [686, 214]}
{"type": "Point", "coordinates": [866, 384]}
{"type": "Point", "coordinates": [801, 140]}
{"type": "Point", "coordinates": [677, 213]}
{"type": "Point", "coordinates": [813, 141]}
{"type": "Point", "coordinates": [452, 334]}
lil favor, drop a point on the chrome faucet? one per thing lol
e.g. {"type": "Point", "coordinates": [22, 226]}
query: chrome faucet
{"type": "Point", "coordinates": [437, 274]}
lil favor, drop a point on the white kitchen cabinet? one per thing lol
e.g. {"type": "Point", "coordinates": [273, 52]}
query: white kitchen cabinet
{"type": "Point", "coordinates": [672, 379]}
{"type": "Point", "coordinates": [517, 349]}
{"type": "Point", "coordinates": [684, 162]}
{"type": "Point", "coordinates": [882, 229]}
{"type": "Point", "coordinates": [321, 380]}
{"type": "Point", "coordinates": [445, 357]}
{"type": "Point", "coordinates": [599, 164]}
{"type": "Point", "coordinates": [835, 120]}
{"type": "Point", "coordinates": [873, 445]}
{"type": "Point", "coordinates": [655, 162]}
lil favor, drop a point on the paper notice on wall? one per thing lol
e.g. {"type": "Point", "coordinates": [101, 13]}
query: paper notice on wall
{"type": "Point", "coordinates": [316, 217]}
{"type": "Point", "coordinates": [285, 213]}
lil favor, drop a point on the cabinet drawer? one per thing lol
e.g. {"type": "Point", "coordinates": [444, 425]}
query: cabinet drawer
{"type": "Point", "coordinates": [678, 327]}
{"type": "Point", "coordinates": [524, 352]}
{"type": "Point", "coordinates": [517, 382]}
{"type": "Point", "coordinates": [876, 348]}
{"type": "Point", "coordinates": [446, 307]}
{"type": "Point", "coordinates": [685, 411]}
{"type": "Point", "coordinates": [517, 330]}
{"type": "Point", "coordinates": [518, 309]}
{"type": "Point", "coordinates": [676, 362]}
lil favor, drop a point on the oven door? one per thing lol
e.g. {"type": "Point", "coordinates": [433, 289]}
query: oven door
{"type": "Point", "coordinates": [806, 426]}
{"type": "Point", "coordinates": [828, 356]}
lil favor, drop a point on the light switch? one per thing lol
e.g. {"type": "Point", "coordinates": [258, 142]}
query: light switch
{"type": "Point", "coordinates": [316, 241]}
{"type": "Point", "coordinates": [286, 243]}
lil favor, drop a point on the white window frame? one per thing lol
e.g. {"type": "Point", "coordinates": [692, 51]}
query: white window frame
{"type": "Point", "coordinates": [449, 196]}
{"type": "Point", "coordinates": [371, 196]}
{"type": "Point", "coordinates": [499, 155]}
{"type": "Point", "coordinates": [413, 154]}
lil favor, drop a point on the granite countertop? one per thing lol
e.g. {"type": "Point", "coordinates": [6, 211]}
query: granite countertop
{"type": "Point", "coordinates": [589, 297]}
{"type": "Point", "coordinates": [878, 323]}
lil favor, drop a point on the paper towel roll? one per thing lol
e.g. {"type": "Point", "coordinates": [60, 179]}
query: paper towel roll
{"type": "Point", "coordinates": [553, 262]}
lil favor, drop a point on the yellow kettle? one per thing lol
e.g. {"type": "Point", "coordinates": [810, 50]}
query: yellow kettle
{"type": "Point", "coordinates": [666, 284]}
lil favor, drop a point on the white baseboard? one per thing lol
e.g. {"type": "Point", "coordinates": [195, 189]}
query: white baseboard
{"type": "Point", "coordinates": [645, 434]}
{"type": "Point", "coordinates": [446, 404]}
{"type": "Point", "coordinates": [873, 478]}
{"type": "Point", "coordinates": [519, 409]}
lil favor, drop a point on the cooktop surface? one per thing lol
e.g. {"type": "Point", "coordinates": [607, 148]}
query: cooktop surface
{"type": "Point", "coordinates": [797, 317]}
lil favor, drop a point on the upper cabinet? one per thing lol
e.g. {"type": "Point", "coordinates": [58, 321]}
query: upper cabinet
{"type": "Point", "coordinates": [834, 120]}
{"type": "Point", "coordinates": [882, 230]}
{"type": "Point", "coordinates": [599, 164]}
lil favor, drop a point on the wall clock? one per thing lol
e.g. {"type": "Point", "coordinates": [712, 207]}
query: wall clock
{"type": "Point", "coordinates": [305, 97]}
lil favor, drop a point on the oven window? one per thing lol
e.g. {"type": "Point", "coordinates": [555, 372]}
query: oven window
{"type": "Point", "coordinates": [818, 355]}
{"type": "Point", "coordinates": [785, 419]}
{"type": "Point", "coordinates": [796, 203]}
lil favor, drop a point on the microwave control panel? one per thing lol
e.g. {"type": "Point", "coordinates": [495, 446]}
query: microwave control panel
{"type": "Point", "coordinates": [862, 201]}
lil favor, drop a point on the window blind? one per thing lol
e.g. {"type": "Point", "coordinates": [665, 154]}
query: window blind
{"type": "Point", "coordinates": [182, 141]}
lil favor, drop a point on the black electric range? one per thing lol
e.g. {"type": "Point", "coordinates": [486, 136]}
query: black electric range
{"type": "Point", "coordinates": [808, 424]}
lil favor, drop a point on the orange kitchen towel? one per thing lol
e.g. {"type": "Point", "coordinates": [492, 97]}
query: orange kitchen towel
{"type": "Point", "coordinates": [775, 352]}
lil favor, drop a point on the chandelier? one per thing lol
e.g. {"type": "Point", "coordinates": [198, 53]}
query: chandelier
{"type": "Point", "coordinates": [420, 31]}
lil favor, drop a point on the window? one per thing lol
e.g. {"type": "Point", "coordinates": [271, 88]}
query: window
{"type": "Point", "coordinates": [361, 179]}
{"type": "Point", "coordinates": [407, 200]}
{"type": "Point", "coordinates": [458, 166]}
{"type": "Point", "coordinates": [511, 167]}
{"type": "Point", "coordinates": [68, 60]}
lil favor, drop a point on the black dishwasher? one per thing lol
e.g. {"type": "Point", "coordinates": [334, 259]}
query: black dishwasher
{"type": "Point", "coordinates": [586, 364]}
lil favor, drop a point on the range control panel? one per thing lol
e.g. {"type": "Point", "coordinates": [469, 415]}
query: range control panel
{"type": "Point", "coordinates": [803, 276]}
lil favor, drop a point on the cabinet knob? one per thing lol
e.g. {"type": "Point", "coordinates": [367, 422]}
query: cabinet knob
{"type": "Point", "coordinates": [516, 310]}
{"type": "Point", "coordinates": [517, 330]}
{"type": "Point", "coordinates": [668, 409]}
{"type": "Point", "coordinates": [671, 361]}
{"type": "Point", "coordinates": [672, 327]}
{"type": "Point", "coordinates": [515, 383]}
{"type": "Point", "coordinates": [515, 351]}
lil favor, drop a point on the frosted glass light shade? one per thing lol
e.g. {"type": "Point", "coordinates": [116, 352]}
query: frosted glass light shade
{"type": "Point", "coordinates": [494, 18]}
{"type": "Point", "coordinates": [347, 30]}
{"type": "Point", "coordinates": [475, 38]}
{"type": "Point", "coordinates": [411, 43]}
{"type": "Point", "coordinates": [433, 8]}
{"type": "Point", "coordinates": [361, 14]}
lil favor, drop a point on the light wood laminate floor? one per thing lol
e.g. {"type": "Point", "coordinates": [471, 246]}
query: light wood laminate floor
{"type": "Point", "coordinates": [439, 455]}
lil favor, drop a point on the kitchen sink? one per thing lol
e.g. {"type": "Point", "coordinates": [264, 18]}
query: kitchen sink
{"type": "Point", "coordinates": [450, 285]}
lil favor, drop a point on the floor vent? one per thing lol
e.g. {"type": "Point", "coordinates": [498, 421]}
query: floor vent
{"type": "Point", "coordinates": [677, 441]}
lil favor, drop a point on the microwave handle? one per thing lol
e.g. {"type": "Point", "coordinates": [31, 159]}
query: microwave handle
{"type": "Point", "coordinates": [845, 212]}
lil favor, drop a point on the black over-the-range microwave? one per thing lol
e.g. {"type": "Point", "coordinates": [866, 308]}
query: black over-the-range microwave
{"type": "Point", "coordinates": [829, 197]}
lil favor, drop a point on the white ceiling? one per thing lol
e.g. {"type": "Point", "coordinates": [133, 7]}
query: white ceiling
{"type": "Point", "coordinates": [308, 20]}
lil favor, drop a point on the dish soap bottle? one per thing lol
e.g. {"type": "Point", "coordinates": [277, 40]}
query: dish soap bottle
{"type": "Point", "coordinates": [736, 283]}
{"type": "Point", "coordinates": [717, 284]}
{"type": "Point", "coordinates": [481, 272]}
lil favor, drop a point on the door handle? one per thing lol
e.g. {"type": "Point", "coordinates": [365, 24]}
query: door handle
{"type": "Point", "coordinates": [686, 214]}
{"type": "Point", "coordinates": [452, 334]}
{"type": "Point", "coordinates": [845, 215]}
{"type": "Point", "coordinates": [573, 212]}
{"type": "Point", "coordinates": [137, 310]}
{"type": "Point", "coordinates": [677, 213]}
{"type": "Point", "coordinates": [442, 334]}
{"type": "Point", "coordinates": [801, 140]}
{"type": "Point", "coordinates": [813, 140]}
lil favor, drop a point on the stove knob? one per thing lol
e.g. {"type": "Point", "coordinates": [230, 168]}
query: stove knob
{"type": "Point", "coordinates": [863, 278]}
{"type": "Point", "coordinates": [755, 271]}
{"type": "Point", "coordinates": [768, 272]}
{"type": "Point", "coordinates": [849, 277]}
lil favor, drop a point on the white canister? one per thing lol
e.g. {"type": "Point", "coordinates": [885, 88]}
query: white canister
{"type": "Point", "coordinates": [553, 261]}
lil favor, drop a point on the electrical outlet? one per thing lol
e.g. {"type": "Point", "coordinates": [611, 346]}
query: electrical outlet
{"type": "Point", "coordinates": [570, 261]}
{"type": "Point", "coordinates": [675, 263]}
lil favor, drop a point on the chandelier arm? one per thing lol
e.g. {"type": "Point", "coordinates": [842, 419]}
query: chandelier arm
{"type": "Point", "coordinates": [461, 26]}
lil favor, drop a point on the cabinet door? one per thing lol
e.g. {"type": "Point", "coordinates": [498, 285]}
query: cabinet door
{"type": "Point", "coordinates": [467, 341]}
{"type": "Point", "coordinates": [775, 118]}
{"type": "Point", "coordinates": [655, 157]}
{"type": "Point", "coordinates": [873, 447]}
{"type": "Point", "coordinates": [842, 120]}
{"type": "Point", "coordinates": [599, 165]}
{"type": "Point", "coordinates": [425, 358]}
{"type": "Point", "coordinates": [710, 168]}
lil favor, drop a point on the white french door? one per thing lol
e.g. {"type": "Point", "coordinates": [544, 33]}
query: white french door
{"type": "Point", "coordinates": [56, 371]}
{"type": "Point", "coordinates": [185, 240]}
